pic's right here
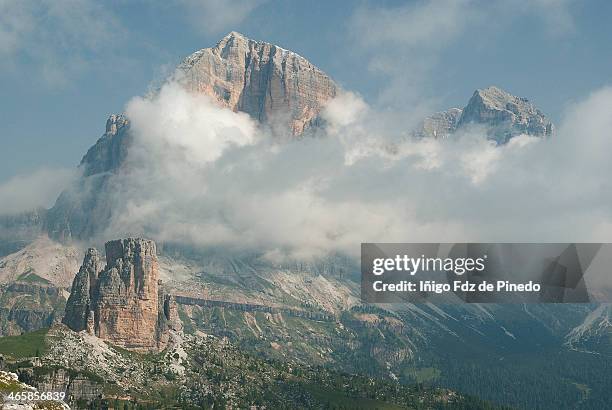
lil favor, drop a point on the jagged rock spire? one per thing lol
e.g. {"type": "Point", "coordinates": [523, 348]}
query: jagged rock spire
{"type": "Point", "coordinates": [78, 306]}
{"type": "Point", "coordinates": [123, 303]}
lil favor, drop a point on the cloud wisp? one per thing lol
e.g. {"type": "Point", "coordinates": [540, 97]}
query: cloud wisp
{"type": "Point", "coordinates": [38, 189]}
{"type": "Point", "coordinates": [57, 39]}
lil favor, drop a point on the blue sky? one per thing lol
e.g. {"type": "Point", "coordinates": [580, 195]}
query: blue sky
{"type": "Point", "coordinates": [65, 65]}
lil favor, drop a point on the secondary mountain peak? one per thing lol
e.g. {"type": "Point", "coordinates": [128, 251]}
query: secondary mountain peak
{"type": "Point", "coordinates": [505, 115]}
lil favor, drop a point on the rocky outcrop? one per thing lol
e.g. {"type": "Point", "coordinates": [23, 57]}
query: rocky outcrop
{"type": "Point", "coordinates": [76, 386]}
{"type": "Point", "coordinates": [10, 382]}
{"type": "Point", "coordinates": [249, 307]}
{"type": "Point", "coordinates": [26, 307]}
{"type": "Point", "coordinates": [594, 333]}
{"type": "Point", "coordinates": [79, 304]}
{"type": "Point", "coordinates": [504, 115]}
{"type": "Point", "coordinates": [110, 150]}
{"type": "Point", "coordinates": [122, 303]}
{"type": "Point", "coordinates": [501, 114]}
{"type": "Point", "coordinates": [439, 125]}
{"type": "Point", "coordinates": [42, 261]}
{"type": "Point", "coordinates": [266, 81]}
{"type": "Point", "coordinates": [81, 209]}
{"type": "Point", "coordinates": [126, 305]}
{"type": "Point", "coordinates": [18, 230]}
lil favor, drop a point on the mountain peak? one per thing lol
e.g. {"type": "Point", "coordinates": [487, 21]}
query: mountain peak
{"type": "Point", "coordinates": [273, 85]}
{"type": "Point", "coordinates": [497, 97]}
{"type": "Point", "coordinates": [505, 115]}
{"type": "Point", "coordinates": [235, 34]}
{"type": "Point", "coordinates": [492, 89]}
{"type": "Point", "coordinates": [231, 37]}
{"type": "Point", "coordinates": [236, 37]}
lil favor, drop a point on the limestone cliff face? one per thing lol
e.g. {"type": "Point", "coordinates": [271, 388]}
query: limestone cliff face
{"type": "Point", "coordinates": [439, 125]}
{"type": "Point", "coordinates": [502, 115]}
{"type": "Point", "coordinates": [122, 303]}
{"type": "Point", "coordinates": [505, 115]}
{"type": "Point", "coordinates": [268, 82]}
{"type": "Point", "coordinates": [17, 231]}
{"type": "Point", "coordinates": [76, 386]}
{"type": "Point", "coordinates": [110, 150]}
{"type": "Point", "coordinates": [127, 299]}
{"type": "Point", "coordinates": [79, 305]}
{"type": "Point", "coordinates": [26, 307]}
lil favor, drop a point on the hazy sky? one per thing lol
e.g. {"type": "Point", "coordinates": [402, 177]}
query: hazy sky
{"type": "Point", "coordinates": [65, 65]}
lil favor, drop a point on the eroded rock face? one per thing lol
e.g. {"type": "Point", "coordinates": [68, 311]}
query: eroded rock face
{"type": "Point", "coordinates": [76, 386]}
{"type": "Point", "coordinates": [110, 150]}
{"type": "Point", "coordinates": [122, 303]}
{"type": "Point", "coordinates": [79, 304]}
{"type": "Point", "coordinates": [127, 299]}
{"type": "Point", "coordinates": [41, 261]}
{"type": "Point", "coordinates": [268, 82]}
{"type": "Point", "coordinates": [439, 125]}
{"type": "Point", "coordinates": [17, 231]}
{"type": "Point", "coordinates": [82, 208]}
{"type": "Point", "coordinates": [26, 307]}
{"type": "Point", "coordinates": [504, 115]}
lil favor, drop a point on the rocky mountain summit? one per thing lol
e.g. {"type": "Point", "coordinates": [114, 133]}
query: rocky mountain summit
{"type": "Point", "coordinates": [110, 150]}
{"type": "Point", "coordinates": [261, 79]}
{"type": "Point", "coordinates": [503, 115]}
{"type": "Point", "coordinates": [122, 303]}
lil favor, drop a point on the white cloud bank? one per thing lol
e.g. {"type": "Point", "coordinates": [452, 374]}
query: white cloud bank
{"type": "Point", "coordinates": [37, 189]}
{"type": "Point", "coordinates": [206, 176]}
